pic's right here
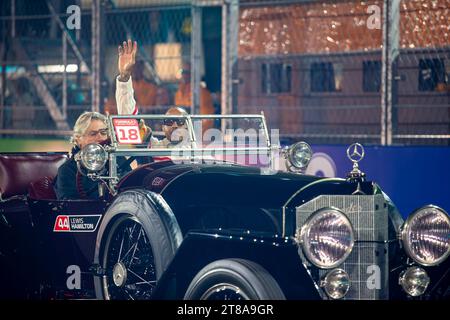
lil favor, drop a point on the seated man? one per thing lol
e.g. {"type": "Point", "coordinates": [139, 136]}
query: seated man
{"type": "Point", "coordinates": [90, 127]}
{"type": "Point", "coordinates": [126, 103]}
{"type": "Point", "coordinates": [172, 138]}
{"type": "Point", "coordinates": [70, 183]}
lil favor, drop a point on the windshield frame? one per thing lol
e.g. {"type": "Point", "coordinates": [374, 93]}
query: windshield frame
{"type": "Point", "coordinates": [194, 153]}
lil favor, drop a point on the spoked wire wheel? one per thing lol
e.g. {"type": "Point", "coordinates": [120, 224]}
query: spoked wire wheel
{"type": "Point", "coordinates": [129, 263]}
{"type": "Point", "coordinates": [224, 291]}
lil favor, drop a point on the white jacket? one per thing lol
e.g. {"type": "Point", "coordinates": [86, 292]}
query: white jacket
{"type": "Point", "coordinates": [125, 97]}
{"type": "Point", "coordinates": [127, 105]}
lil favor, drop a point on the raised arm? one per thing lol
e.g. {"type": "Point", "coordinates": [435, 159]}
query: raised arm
{"type": "Point", "coordinates": [124, 88]}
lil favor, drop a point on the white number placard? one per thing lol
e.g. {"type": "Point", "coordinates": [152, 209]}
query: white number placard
{"type": "Point", "coordinates": [127, 131]}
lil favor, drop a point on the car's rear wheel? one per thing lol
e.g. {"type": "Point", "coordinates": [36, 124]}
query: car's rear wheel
{"type": "Point", "coordinates": [234, 279]}
{"type": "Point", "coordinates": [136, 242]}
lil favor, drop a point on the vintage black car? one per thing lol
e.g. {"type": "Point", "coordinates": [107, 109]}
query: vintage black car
{"type": "Point", "coordinates": [216, 220]}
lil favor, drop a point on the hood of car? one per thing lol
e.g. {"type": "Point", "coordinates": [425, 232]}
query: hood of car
{"type": "Point", "coordinates": [230, 184]}
{"type": "Point", "coordinates": [223, 184]}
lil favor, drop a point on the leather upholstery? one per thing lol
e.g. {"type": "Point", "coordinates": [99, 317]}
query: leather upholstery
{"type": "Point", "coordinates": [42, 189]}
{"type": "Point", "coordinates": [18, 171]}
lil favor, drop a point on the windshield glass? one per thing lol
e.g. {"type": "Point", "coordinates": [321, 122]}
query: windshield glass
{"type": "Point", "coordinates": [237, 138]}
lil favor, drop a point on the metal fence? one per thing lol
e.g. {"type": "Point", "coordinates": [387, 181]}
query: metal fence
{"type": "Point", "coordinates": [39, 95]}
{"type": "Point", "coordinates": [59, 58]}
{"type": "Point", "coordinates": [163, 34]}
{"type": "Point", "coordinates": [376, 71]}
{"type": "Point", "coordinates": [421, 70]}
{"type": "Point", "coordinates": [338, 71]}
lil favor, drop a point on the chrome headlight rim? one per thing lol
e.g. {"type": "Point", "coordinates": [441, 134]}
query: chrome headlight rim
{"type": "Point", "coordinates": [291, 152]}
{"type": "Point", "coordinates": [406, 227]}
{"type": "Point", "coordinates": [84, 153]}
{"type": "Point", "coordinates": [329, 286]}
{"type": "Point", "coordinates": [304, 239]}
{"type": "Point", "coordinates": [414, 289]}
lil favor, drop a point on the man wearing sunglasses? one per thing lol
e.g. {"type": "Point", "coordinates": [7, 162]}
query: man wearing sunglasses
{"type": "Point", "coordinates": [126, 103]}
{"type": "Point", "coordinates": [175, 131]}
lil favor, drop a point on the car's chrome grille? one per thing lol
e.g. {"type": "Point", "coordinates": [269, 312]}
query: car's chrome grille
{"type": "Point", "coordinates": [369, 217]}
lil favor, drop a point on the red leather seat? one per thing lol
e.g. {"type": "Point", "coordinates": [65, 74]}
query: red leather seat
{"type": "Point", "coordinates": [21, 173]}
{"type": "Point", "coordinates": [42, 189]}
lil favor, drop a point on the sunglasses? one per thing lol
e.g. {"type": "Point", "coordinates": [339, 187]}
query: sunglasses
{"type": "Point", "coordinates": [170, 122]}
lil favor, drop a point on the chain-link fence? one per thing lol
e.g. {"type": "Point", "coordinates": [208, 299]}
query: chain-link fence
{"type": "Point", "coordinates": [318, 71]}
{"type": "Point", "coordinates": [38, 94]}
{"type": "Point", "coordinates": [163, 33]}
{"type": "Point", "coordinates": [54, 62]}
{"type": "Point", "coordinates": [325, 71]}
{"type": "Point", "coordinates": [421, 67]}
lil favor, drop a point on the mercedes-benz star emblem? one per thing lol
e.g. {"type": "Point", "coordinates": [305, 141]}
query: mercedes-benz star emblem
{"type": "Point", "coordinates": [355, 152]}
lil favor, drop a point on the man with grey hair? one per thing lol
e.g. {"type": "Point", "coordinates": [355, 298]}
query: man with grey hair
{"type": "Point", "coordinates": [90, 127]}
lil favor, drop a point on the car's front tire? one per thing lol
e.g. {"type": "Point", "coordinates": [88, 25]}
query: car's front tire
{"type": "Point", "coordinates": [234, 279]}
{"type": "Point", "coordinates": [137, 240]}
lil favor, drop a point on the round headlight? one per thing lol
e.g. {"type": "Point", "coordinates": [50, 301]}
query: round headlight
{"type": "Point", "coordinates": [299, 155]}
{"type": "Point", "coordinates": [93, 157]}
{"type": "Point", "coordinates": [336, 283]}
{"type": "Point", "coordinates": [426, 235]}
{"type": "Point", "coordinates": [327, 238]}
{"type": "Point", "coordinates": [414, 281]}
